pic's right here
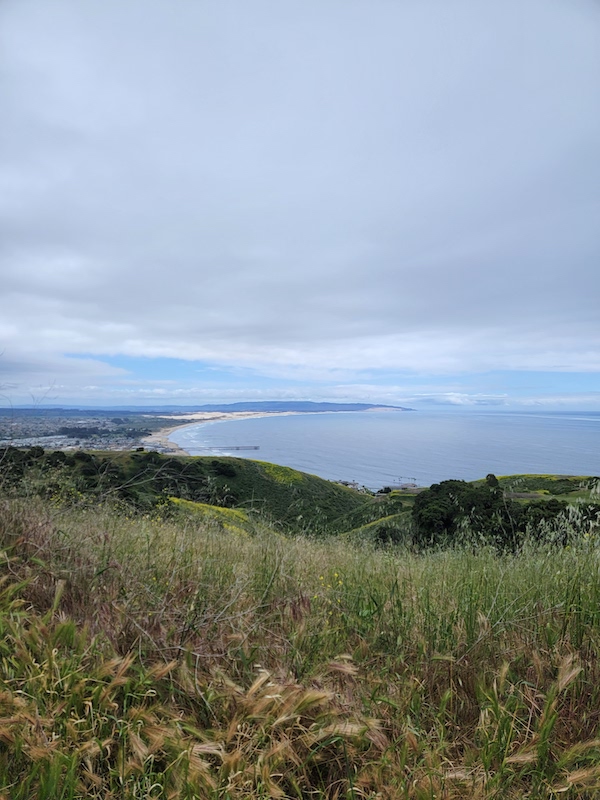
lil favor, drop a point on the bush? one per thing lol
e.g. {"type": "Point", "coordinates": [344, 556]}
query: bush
{"type": "Point", "coordinates": [452, 512]}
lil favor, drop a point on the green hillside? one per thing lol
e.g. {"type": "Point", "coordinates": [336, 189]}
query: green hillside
{"type": "Point", "coordinates": [294, 500]}
{"type": "Point", "coordinates": [205, 656]}
{"type": "Point", "coordinates": [501, 510]}
{"type": "Point", "coordinates": [163, 638]}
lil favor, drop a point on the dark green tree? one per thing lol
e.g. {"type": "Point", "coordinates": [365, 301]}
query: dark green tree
{"type": "Point", "coordinates": [453, 512]}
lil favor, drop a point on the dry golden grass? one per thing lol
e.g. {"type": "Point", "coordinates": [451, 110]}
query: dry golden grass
{"type": "Point", "coordinates": [149, 658]}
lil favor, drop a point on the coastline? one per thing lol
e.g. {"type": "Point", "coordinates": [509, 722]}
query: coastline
{"type": "Point", "coordinates": [426, 449]}
{"type": "Point", "coordinates": [159, 440]}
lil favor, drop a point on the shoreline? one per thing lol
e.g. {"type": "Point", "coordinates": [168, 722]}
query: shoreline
{"type": "Point", "coordinates": [160, 439]}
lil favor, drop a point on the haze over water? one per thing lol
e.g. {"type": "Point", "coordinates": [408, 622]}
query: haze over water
{"type": "Point", "coordinates": [378, 449]}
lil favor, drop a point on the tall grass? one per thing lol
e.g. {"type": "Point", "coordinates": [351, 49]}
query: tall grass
{"type": "Point", "coordinates": [178, 658]}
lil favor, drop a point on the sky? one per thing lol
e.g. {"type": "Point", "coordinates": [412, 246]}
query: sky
{"type": "Point", "coordinates": [386, 201]}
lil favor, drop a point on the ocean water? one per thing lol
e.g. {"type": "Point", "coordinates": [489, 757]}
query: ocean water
{"type": "Point", "coordinates": [381, 448]}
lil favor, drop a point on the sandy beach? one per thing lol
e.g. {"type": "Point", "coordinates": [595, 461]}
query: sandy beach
{"type": "Point", "coordinates": [160, 439]}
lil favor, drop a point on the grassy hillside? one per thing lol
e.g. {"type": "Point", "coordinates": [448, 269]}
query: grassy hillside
{"type": "Point", "coordinates": [503, 512]}
{"type": "Point", "coordinates": [146, 480]}
{"type": "Point", "coordinates": [143, 657]}
{"type": "Point", "coordinates": [566, 488]}
{"type": "Point", "coordinates": [163, 638]}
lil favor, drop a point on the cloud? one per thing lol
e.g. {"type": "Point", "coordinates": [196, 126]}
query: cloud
{"type": "Point", "coordinates": [303, 190]}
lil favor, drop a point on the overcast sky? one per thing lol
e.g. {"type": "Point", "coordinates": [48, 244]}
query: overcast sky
{"type": "Point", "coordinates": [378, 200]}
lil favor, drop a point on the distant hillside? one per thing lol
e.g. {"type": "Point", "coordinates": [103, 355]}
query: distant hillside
{"type": "Point", "coordinates": [262, 405]}
{"type": "Point", "coordinates": [297, 405]}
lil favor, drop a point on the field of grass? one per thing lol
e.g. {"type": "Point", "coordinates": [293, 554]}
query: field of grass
{"type": "Point", "coordinates": [214, 657]}
{"type": "Point", "coordinates": [569, 488]}
{"type": "Point", "coordinates": [292, 500]}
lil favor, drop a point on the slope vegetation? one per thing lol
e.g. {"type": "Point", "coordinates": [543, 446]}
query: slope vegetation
{"type": "Point", "coordinates": [294, 500]}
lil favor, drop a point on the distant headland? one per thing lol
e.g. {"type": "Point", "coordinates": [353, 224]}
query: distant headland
{"type": "Point", "coordinates": [50, 409]}
{"type": "Point", "coordinates": [299, 405]}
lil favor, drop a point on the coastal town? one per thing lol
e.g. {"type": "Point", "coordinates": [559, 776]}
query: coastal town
{"type": "Point", "coordinates": [129, 429]}
{"type": "Point", "coordinates": [111, 429]}
{"type": "Point", "coordinates": [74, 429]}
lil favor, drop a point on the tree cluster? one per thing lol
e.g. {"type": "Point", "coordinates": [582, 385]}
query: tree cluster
{"type": "Point", "coordinates": [142, 480]}
{"type": "Point", "coordinates": [456, 512]}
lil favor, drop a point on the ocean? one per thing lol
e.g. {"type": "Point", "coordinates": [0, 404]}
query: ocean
{"type": "Point", "coordinates": [378, 449]}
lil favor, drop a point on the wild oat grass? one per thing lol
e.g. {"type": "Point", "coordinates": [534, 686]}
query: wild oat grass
{"type": "Point", "coordinates": [150, 658]}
